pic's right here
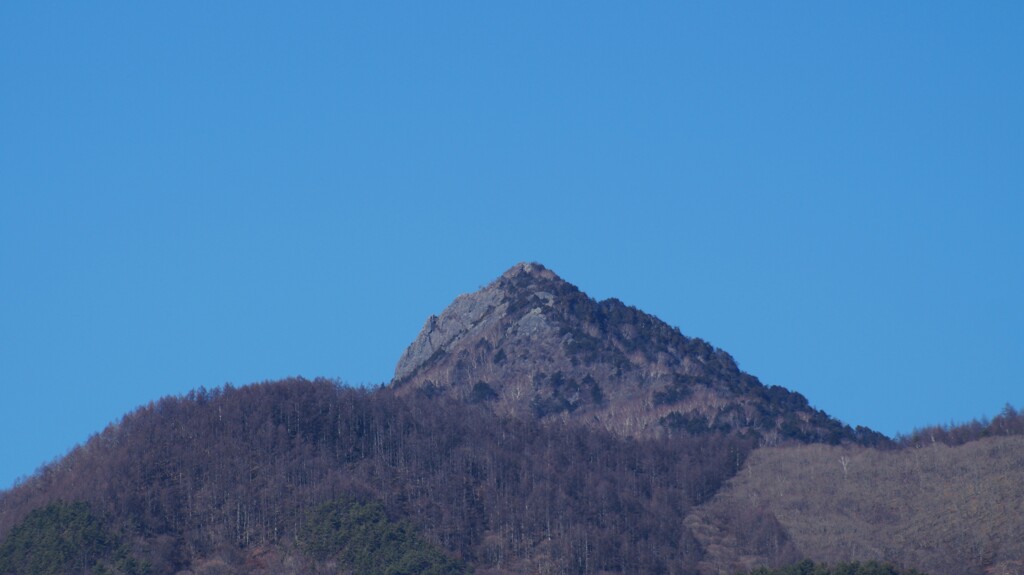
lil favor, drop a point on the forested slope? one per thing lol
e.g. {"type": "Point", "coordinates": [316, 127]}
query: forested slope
{"type": "Point", "coordinates": [945, 510]}
{"type": "Point", "coordinates": [224, 481]}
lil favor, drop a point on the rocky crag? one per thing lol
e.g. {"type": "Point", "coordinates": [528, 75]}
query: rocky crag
{"type": "Point", "coordinates": [531, 344]}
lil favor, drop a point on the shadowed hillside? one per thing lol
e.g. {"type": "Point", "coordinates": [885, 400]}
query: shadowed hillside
{"type": "Point", "coordinates": [223, 481]}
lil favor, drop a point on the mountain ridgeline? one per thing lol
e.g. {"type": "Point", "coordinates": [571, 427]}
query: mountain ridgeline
{"type": "Point", "coordinates": [528, 429]}
{"type": "Point", "coordinates": [532, 344]}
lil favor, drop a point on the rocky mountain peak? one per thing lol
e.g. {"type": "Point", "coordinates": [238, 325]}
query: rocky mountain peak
{"type": "Point", "coordinates": [530, 344]}
{"type": "Point", "coordinates": [524, 291]}
{"type": "Point", "coordinates": [530, 270]}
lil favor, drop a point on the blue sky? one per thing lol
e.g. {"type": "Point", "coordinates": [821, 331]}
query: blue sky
{"type": "Point", "coordinates": [194, 194]}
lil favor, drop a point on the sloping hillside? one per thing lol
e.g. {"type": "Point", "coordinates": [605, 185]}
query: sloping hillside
{"type": "Point", "coordinates": [945, 510]}
{"type": "Point", "coordinates": [225, 481]}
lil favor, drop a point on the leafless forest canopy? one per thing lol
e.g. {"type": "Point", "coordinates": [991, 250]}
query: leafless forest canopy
{"type": "Point", "coordinates": [229, 481]}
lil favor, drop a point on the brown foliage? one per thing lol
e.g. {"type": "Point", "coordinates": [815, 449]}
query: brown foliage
{"type": "Point", "coordinates": [211, 481]}
{"type": "Point", "coordinates": [1008, 422]}
{"type": "Point", "coordinates": [943, 510]}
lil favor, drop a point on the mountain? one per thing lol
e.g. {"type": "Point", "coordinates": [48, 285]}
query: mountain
{"type": "Point", "coordinates": [529, 429]}
{"type": "Point", "coordinates": [531, 344]}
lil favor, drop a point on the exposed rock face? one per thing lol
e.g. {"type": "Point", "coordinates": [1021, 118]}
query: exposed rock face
{"type": "Point", "coordinates": [531, 344]}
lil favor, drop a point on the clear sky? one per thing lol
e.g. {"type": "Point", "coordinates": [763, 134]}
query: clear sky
{"type": "Point", "coordinates": [194, 193]}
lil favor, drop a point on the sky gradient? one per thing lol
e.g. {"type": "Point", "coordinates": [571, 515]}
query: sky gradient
{"type": "Point", "coordinates": [194, 194]}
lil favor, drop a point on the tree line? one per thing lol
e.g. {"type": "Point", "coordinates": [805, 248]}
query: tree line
{"type": "Point", "coordinates": [227, 479]}
{"type": "Point", "coordinates": [1010, 421]}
